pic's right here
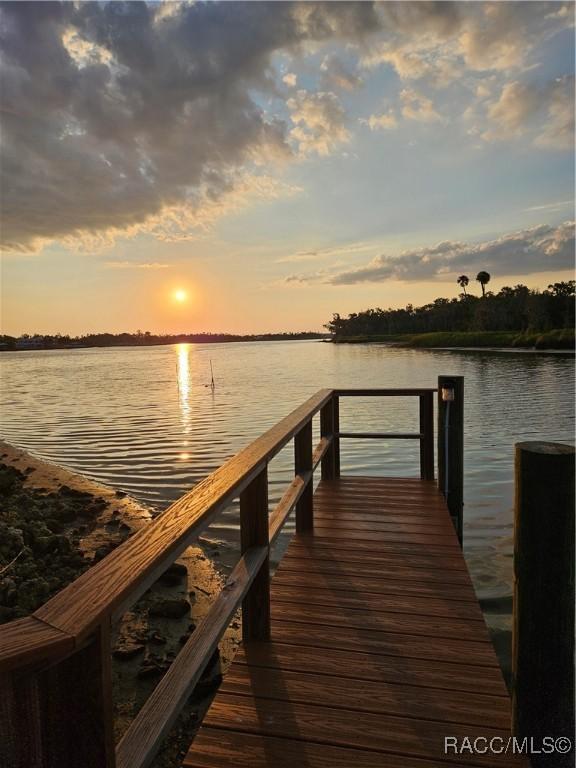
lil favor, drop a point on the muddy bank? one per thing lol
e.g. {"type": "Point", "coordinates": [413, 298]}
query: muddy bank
{"type": "Point", "coordinates": [54, 525]}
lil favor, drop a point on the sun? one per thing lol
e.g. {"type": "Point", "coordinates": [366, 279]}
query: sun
{"type": "Point", "coordinates": [180, 295]}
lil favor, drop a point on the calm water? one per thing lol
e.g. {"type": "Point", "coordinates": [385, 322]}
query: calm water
{"type": "Point", "coordinates": [145, 421]}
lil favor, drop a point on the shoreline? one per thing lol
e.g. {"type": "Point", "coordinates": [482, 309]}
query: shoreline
{"type": "Point", "coordinates": [402, 345]}
{"type": "Point", "coordinates": [559, 341]}
{"type": "Point", "coordinates": [55, 524]}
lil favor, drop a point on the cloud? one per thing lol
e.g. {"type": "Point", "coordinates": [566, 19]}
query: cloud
{"type": "Point", "coordinates": [117, 114]}
{"type": "Point", "coordinates": [415, 106]}
{"type": "Point", "coordinates": [132, 265]}
{"type": "Point", "coordinates": [290, 79]}
{"type": "Point", "coordinates": [323, 253]}
{"type": "Point", "coordinates": [426, 39]}
{"type": "Point", "coordinates": [551, 206]}
{"type": "Point", "coordinates": [545, 111]}
{"type": "Point", "coordinates": [383, 122]}
{"type": "Point", "coordinates": [319, 122]}
{"type": "Point", "coordinates": [334, 74]}
{"type": "Point", "coordinates": [539, 249]}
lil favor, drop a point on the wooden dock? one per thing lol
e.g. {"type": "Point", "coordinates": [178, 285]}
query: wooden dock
{"type": "Point", "coordinates": [378, 648]}
{"type": "Point", "coordinates": [367, 648]}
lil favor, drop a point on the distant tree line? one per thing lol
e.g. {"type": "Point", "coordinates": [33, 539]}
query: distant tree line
{"type": "Point", "coordinates": [138, 339]}
{"type": "Point", "coordinates": [511, 309]}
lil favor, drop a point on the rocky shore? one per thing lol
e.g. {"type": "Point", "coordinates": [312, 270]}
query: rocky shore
{"type": "Point", "coordinates": [54, 525]}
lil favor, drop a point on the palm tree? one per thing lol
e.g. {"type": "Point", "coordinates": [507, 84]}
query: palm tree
{"type": "Point", "coordinates": [483, 278]}
{"type": "Point", "coordinates": [463, 281]}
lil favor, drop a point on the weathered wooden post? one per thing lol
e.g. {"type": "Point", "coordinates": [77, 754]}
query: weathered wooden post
{"type": "Point", "coordinates": [451, 446]}
{"type": "Point", "coordinates": [254, 532]}
{"type": "Point", "coordinates": [303, 465]}
{"type": "Point", "coordinates": [543, 632]}
{"type": "Point", "coordinates": [56, 711]}
{"type": "Point", "coordinates": [427, 436]}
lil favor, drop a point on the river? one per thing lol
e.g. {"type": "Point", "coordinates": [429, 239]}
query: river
{"type": "Point", "coordinates": [146, 421]}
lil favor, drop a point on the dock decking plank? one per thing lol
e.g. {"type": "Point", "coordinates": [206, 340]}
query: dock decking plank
{"type": "Point", "coordinates": [378, 648]}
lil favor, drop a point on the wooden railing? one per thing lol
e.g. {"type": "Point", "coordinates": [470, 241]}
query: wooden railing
{"type": "Point", "coordinates": [56, 698]}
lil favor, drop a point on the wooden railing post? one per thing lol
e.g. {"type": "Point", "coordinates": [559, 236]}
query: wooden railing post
{"type": "Point", "coordinates": [451, 446]}
{"type": "Point", "coordinates": [543, 629]}
{"type": "Point", "coordinates": [328, 469]}
{"type": "Point", "coordinates": [427, 439]}
{"type": "Point", "coordinates": [303, 466]}
{"type": "Point", "coordinates": [254, 532]}
{"type": "Point", "coordinates": [336, 417]}
{"type": "Point", "coordinates": [60, 715]}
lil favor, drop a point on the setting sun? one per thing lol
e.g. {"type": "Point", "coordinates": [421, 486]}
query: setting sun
{"type": "Point", "coordinates": [180, 295]}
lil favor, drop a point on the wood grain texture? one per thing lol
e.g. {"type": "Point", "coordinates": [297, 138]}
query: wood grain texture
{"type": "Point", "coordinates": [359, 665]}
{"type": "Point", "coordinates": [219, 748]}
{"type": "Point", "coordinates": [396, 602]}
{"type": "Point", "coordinates": [304, 574]}
{"type": "Point", "coordinates": [378, 647]}
{"type": "Point", "coordinates": [30, 641]}
{"type": "Point", "coordinates": [362, 695]}
{"type": "Point", "coordinates": [326, 725]}
{"type": "Point", "coordinates": [455, 649]}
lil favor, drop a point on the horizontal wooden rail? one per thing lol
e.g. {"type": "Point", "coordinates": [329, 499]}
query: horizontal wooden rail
{"type": "Point", "coordinates": [295, 490]}
{"type": "Point", "coordinates": [142, 739]}
{"type": "Point", "coordinates": [321, 450]}
{"type": "Point", "coordinates": [382, 392]}
{"type": "Point", "coordinates": [382, 435]}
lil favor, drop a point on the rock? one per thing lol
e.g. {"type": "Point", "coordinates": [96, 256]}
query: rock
{"type": "Point", "coordinates": [120, 494]}
{"type": "Point", "coordinates": [102, 551]}
{"type": "Point", "coordinates": [127, 648]}
{"type": "Point", "coordinates": [125, 528]}
{"type": "Point", "coordinates": [170, 609]}
{"type": "Point", "coordinates": [65, 490]}
{"type": "Point", "coordinates": [173, 575]}
{"type": "Point", "coordinates": [156, 638]}
{"type": "Point", "coordinates": [153, 666]}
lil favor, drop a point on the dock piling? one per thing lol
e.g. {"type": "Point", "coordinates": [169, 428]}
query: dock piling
{"type": "Point", "coordinates": [451, 446]}
{"type": "Point", "coordinates": [543, 632]}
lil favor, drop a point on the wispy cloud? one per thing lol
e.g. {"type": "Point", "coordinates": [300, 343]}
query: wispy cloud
{"type": "Point", "coordinates": [315, 254]}
{"type": "Point", "coordinates": [551, 206]}
{"type": "Point", "coordinates": [132, 265]}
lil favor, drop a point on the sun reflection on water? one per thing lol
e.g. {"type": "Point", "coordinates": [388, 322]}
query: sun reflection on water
{"type": "Point", "coordinates": [183, 379]}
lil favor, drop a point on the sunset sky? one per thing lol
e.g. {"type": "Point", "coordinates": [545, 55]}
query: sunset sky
{"type": "Point", "coordinates": [278, 162]}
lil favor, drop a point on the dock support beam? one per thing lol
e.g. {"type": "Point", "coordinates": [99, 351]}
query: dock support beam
{"type": "Point", "coordinates": [451, 446]}
{"type": "Point", "coordinates": [254, 533]}
{"type": "Point", "coordinates": [543, 632]}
